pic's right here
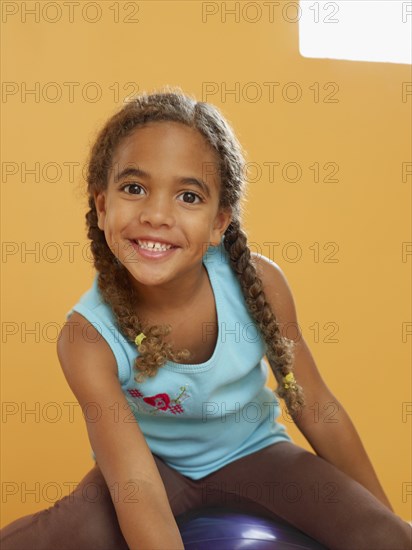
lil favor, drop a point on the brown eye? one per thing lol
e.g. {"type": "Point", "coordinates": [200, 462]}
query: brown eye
{"type": "Point", "coordinates": [133, 187]}
{"type": "Point", "coordinates": [193, 196]}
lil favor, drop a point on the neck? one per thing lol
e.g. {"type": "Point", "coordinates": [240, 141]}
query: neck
{"type": "Point", "coordinates": [172, 298]}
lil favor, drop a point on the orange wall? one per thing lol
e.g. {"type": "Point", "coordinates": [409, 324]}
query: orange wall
{"type": "Point", "coordinates": [339, 243]}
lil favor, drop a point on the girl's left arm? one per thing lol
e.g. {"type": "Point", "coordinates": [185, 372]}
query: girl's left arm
{"type": "Point", "coordinates": [323, 421]}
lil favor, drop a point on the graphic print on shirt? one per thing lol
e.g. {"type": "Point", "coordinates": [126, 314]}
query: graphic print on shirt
{"type": "Point", "coordinates": [154, 404]}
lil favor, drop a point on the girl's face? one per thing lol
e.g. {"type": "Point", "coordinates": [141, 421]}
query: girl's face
{"type": "Point", "coordinates": [163, 187]}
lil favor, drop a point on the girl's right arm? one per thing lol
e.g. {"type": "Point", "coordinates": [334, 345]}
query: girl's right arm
{"type": "Point", "coordinates": [138, 494]}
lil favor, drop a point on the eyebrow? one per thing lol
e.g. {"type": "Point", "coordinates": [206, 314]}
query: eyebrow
{"type": "Point", "coordinates": [139, 173]}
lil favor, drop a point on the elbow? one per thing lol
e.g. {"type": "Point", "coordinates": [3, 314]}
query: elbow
{"type": "Point", "coordinates": [320, 410]}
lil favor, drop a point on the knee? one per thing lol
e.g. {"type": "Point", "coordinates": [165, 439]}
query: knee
{"type": "Point", "coordinates": [99, 526]}
{"type": "Point", "coordinates": [390, 533]}
{"type": "Point", "coordinates": [396, 534]}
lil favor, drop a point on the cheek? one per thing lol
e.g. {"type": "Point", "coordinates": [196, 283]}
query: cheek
{"type": "Point", "coordinates": [111, 228]}
{"type": "Point", "coordinates": [116, 219]}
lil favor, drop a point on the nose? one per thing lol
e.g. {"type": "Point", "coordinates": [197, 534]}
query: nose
{"type": "Point", "coordinates": [157, 210]}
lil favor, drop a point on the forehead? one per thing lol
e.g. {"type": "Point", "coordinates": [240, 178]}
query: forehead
{"type": "Point", "coordinates": [171, 146]}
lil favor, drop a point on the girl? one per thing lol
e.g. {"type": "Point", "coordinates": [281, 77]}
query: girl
{"type": "Point", "coordinates": [165, 356]}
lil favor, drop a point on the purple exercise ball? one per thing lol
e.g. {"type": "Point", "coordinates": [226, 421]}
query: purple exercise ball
{"type": "Point", "coordinates": [228, 529]}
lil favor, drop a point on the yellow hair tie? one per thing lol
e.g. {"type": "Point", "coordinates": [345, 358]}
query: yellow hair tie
{"type": "Point", "coordinates": [289, 380]}
{"type": "Point", "coordinates": [139, 338]}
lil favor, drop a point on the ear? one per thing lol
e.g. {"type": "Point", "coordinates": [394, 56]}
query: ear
{"type": "Point", "coordinates": [100, 203]}
{"type": "Point", "coordinates": [222, 221]}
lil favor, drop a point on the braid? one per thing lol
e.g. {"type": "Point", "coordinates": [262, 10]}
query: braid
{"type": "Point", "coordinates": [279, 348]}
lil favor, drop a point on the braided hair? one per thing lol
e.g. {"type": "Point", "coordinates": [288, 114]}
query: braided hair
{"type": "Point", "coordinates": [171, 104]}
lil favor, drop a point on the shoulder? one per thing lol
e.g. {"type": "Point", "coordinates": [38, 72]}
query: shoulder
{"type": "Point", "coordinates": [81, 347]}
{"type": "Point", "coordinates": [278, 294]}
{"type": "Point", "coordinates": [270, 273]}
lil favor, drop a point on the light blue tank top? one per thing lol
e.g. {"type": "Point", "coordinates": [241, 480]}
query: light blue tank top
{"type": "Point", "coordinates": [198, 418]}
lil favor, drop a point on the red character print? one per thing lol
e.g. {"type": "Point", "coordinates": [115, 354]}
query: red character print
{"type": "Point", "coordinates": [160, 401]}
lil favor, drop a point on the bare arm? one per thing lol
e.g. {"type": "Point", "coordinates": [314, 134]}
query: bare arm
{"type": "Point", "coordinates": [323, 421]}
{"type": "Point", "coordinates": [138, 494]}
{"type": "Point", "coordinates": [330, 431]}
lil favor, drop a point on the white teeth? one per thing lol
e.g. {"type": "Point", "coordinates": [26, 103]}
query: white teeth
{"type": "Point", "coordinates": [150, 245]}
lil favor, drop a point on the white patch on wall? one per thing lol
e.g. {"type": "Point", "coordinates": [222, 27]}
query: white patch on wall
{"type": "Point", "coordinates": [356, 30]}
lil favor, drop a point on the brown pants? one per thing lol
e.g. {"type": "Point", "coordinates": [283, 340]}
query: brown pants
{"type": "Point", "coordinates": [281, 481]}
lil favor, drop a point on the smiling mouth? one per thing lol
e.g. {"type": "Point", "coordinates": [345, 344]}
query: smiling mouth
{"type": "Point", "coordinates": [153, 246]}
